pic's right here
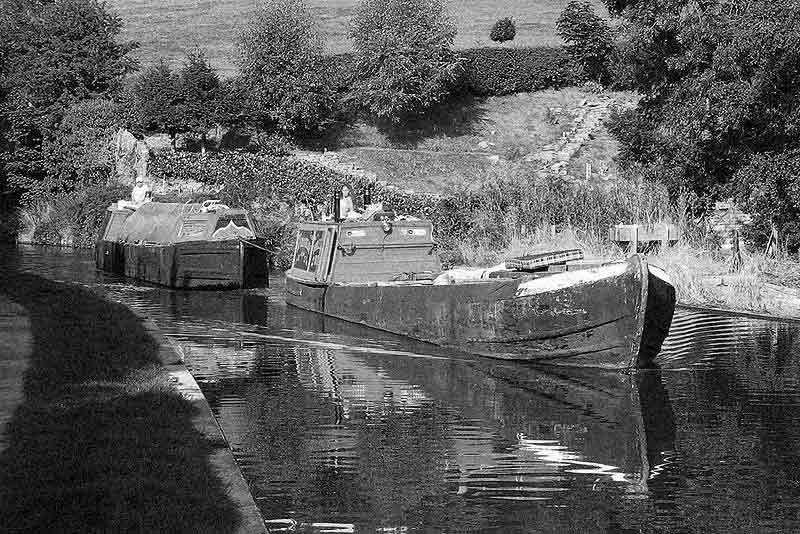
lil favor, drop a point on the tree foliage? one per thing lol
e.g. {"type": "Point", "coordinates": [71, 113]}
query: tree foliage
{"type": "Point", "coordinates": [721, 86]}
{"type": "Point", "coordinates": [199, 96]}
{"type": "Point", "coordinates": [404, 58]}
{"type": "Point", "coordinates": [157, 97]}
{"type": "Point", "coordinates": [769, 186]}
{"type": "Point", "coordinates": [54, 55]}
{"type": "Point", "coordinates": [588, 38]}
{"type": "Point", "coordinates": [503, 30]}
{"type": "Point", "coordinates": [281, 63]}
{"type": "Point", "coordinates": [81, 152]}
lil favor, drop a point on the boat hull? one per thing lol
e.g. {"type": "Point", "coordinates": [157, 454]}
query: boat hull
{"type": "Point", "coordinates": [592, 318]}
{"type": "Point", "coordinates": [188, 265]}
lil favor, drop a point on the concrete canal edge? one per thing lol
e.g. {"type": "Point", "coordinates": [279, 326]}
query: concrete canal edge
{"type": "Point", "coordinates": [221, 461]}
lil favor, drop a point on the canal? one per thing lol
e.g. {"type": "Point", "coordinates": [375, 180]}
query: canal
{"type": "Point", "coordinates": [339, 428]}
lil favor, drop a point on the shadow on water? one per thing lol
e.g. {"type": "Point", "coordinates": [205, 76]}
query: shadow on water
{"type": "Point", "coordinates": [101, 442]}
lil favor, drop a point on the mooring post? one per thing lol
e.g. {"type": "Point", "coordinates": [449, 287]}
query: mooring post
{"type": "Point", "coordinates": [634, 248]}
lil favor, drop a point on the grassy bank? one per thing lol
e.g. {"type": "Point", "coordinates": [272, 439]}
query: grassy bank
{"type": "Point", "coordinates": [466, 145]}
{"type": "Point", "coordinates": [101, 441]}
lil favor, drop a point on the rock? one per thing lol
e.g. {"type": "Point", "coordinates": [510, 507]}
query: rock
{"type": "Point", "coordinates": [483, 145]}
{"type": "Point", "coordinates": [494, 160]}
{"type": "Point", "coordinates": [545, 156]}
{"type": "Point", "coordinates": [158, 142]}
{"type": "Point", "coordinates": [131, 157]}
{"type": "Point", "coordinates": [142, 159]}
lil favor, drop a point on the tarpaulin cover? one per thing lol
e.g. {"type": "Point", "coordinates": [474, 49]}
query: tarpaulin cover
{"type": "Point", "coordinates": [159, 222]}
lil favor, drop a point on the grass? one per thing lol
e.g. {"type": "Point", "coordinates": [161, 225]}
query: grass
{"type": "Point", "coordinates": [172, 29]}
{"type": "Point", "coordinates": [703, 277]}
{"type": "Point", "coordinates": [454, 147]}
{"type": "Point", "coordinates": [539, 240]}
{"type": "Point", "coordinates": [101, 441]}
{"type": "Point", "coordinates": [425, 172]}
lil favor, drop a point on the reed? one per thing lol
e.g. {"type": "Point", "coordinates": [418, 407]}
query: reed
{"type": "Point", "coordinates": [702, 277]}
{"type": "Point", "coordinates": [538, 240]}
{"type": "Point", "coordinates": [523, 210]}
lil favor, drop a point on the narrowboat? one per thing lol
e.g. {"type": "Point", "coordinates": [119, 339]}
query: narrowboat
{"type": "Point", "coordinates": [386, 274]}
{"type": "Point", "coordinates": [187, 246]}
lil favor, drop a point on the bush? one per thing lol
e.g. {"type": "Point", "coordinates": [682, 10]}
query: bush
{"type": "Point", "coordinates": [505, 71]}
{"type": "Point", "coordinates": [503, 30]}
{"type": "Point", "coordinates": [73, 219]}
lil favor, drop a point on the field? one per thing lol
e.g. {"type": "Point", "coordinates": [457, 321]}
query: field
{"type": "Point", "coordinates": [171, 29]}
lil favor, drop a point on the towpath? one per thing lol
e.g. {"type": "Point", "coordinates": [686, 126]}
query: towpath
{"type": "Point", "coordinates": [102, 428]}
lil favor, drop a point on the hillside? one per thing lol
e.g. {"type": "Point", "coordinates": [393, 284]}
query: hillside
{"type": "Point", "coordinates": [171, 29]}
{"type": "Point", "coordinates": [556, 132]}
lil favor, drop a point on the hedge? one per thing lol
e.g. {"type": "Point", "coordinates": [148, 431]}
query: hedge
{"type": "Point", "coordinates": [489, 71]}
{"type": "Point", "coordinates": [494, 71]}
{"type": "Point", "coordinates": [272, 186]}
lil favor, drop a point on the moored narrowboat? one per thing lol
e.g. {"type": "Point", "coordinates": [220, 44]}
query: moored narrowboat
{"type": "Point", "coordinates": [183, 246]}
{"type": "Point", "coordinates": [386, 274]}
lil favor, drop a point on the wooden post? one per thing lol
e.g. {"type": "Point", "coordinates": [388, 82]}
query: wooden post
{"type": "Point", "coordinates": [736, 258]}
{"type": "Point", "coordinates": [634, 248]}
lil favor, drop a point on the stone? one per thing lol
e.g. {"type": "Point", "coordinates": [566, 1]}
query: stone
{"type": "Point", "coordinates": [131, 157]}
{"type": "Point", "coordinates": [158, 142]}
{"type": "Point", "coordinates": [483, 145]}
{"type": "Point", "coordinates": [142, 159]}
{"type": "Point", "coordinates": [494, 159]}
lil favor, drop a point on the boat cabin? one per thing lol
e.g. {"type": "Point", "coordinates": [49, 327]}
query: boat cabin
{"type": "Point", "coordinates": [169, 223]}
{"type": "Point", "coordinates": [364, 251]}
{"type": "Point", "coordinates": [183, 245]}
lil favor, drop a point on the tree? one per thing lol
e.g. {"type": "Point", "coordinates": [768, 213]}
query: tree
{"type": "Point", "coordinates": [157, 97]}
{"type": "Point", "coordinates": [81, 152]}
{"type": "Point", "coordinates": [281, 56]}
{"type": "Point", "coordinates": [588, 38]}
{"type": "Point", "coordinates": [503, 30]}
{"type": "Point", "coordinates": [711, 99]}
{"type": "Point", "coordinates": [769, 186]}
{"type": "Point", "coordinates": [199, 90]}
{"type": "Point", "coordinates": [404, 60]}
{"type": "Point", "coordinates": [55, 54]}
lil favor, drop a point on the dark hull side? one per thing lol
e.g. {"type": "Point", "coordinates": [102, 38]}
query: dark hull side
{"type": "Point", "coordinates": [189, 265]}
{"type": "Point", "coordinates": [594, 323]}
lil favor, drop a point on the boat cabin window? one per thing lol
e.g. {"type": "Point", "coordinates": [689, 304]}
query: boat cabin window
{"type": "Point", "coordinates": [309, 246]}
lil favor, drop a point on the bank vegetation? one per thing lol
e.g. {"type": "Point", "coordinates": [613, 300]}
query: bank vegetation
{"type": "Point", "coordinates": [714, 119]}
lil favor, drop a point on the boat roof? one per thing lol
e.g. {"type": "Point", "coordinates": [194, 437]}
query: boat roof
{"type": "Point", "coordinates": [164, 222]}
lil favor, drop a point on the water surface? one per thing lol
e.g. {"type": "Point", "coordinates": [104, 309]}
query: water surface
{"type": "Point", "coordinates": [339, 428]}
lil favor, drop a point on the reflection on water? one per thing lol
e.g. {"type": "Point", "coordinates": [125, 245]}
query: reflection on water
{"type": "Point", "coordinates": [339, 428]}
